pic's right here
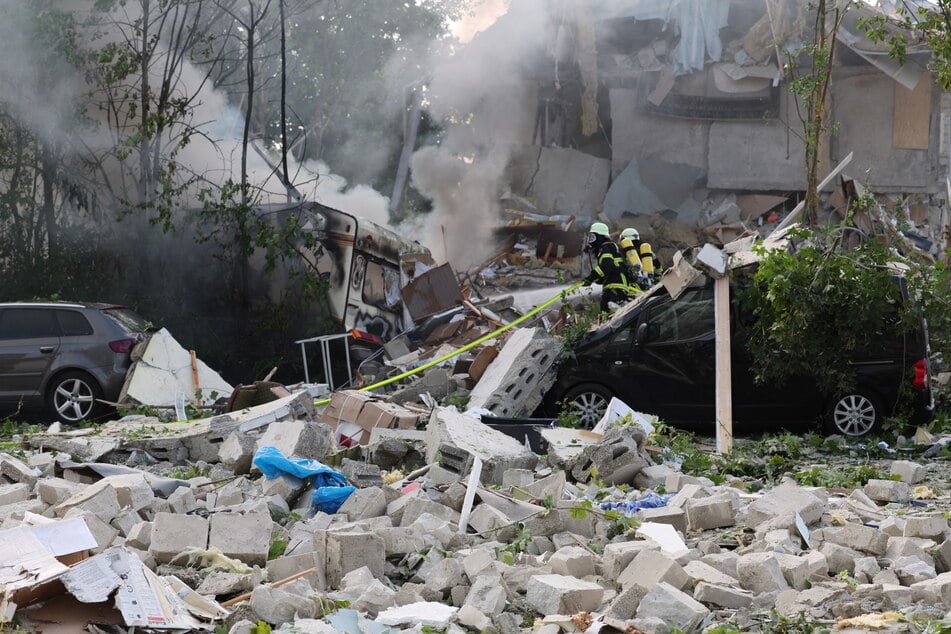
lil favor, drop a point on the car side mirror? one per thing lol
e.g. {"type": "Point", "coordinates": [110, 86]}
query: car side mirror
{"type": "Point", "coordinates": [641, 333]}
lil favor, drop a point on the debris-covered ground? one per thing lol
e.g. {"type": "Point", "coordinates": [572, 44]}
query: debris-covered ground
{"type": "Point", "coordinates": [437, 521]}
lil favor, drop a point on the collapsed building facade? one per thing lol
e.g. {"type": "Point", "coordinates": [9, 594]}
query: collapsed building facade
{"type": "Point", "coordinates": [682, 111]}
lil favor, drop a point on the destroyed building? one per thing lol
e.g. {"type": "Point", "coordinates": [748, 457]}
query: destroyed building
{"type": "Point", "coordinates": [682, 111]}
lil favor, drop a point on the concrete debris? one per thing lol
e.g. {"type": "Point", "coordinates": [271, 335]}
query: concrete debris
{"type": "Point", "coordinates": [451, 524]}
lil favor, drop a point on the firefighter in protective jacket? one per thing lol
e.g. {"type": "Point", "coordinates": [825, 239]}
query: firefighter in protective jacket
{"type": "Point", "coordinates": [641, 257]}
{"type": "Point", "coordinates": [609, 269]}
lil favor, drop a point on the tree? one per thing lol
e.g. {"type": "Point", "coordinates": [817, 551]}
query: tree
{"type": "Point", "coordinates": [811, 83]}
{"type": "Point", "coordinates": [912, 27]}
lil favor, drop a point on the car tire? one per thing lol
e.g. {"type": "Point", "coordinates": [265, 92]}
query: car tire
{"type": "Point", "coordinates": [72, 397]}
{"type": "Point", "coordinates": [855, 413]}
{"type": "Point", "coordinates": [589, 401]}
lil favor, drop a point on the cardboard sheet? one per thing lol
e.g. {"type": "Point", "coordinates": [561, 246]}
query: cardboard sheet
{"type": "Point", "coordinates": [143, 598]}
{"type": "Point", "coordinates": [28, 553]}
{"type": "Point", "coordinates": [912, 118]}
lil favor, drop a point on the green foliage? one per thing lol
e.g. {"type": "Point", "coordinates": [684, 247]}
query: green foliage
{"type": "Point", "coordinates": [914, 25]}
{"type": "Point", "coordinates": [186, 472]}
{"type": "Point", "coordinates": [813, 308]}
{"type": "Point", "coordinates": [518, 545]}
{"type": "Point", "coordinates": [277, 547]}
{"type": "Point", "coordinates": [577, 325]}
{"type": "Point", "coordinates": [844, 477]}
{"type": "Point", "coordinates": [262, 627]}
{"type": "Point", "coordinates": [779, 624]}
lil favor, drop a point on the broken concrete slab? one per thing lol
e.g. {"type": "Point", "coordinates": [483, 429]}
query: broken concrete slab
{"type": "Point", "coordinates": [515, 382]}
{"type": "Point", "coordinates": [453, 439]}
{"type": "Point", "coordinates": [558, 594]}
{"type": "Point", "coordinates": [165, 372]}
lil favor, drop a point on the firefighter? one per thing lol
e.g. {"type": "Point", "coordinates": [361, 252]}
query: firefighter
{"type": "Point", "coordinates": [641, 256]}
{"type": "Point", "coordinates": [609, 269]}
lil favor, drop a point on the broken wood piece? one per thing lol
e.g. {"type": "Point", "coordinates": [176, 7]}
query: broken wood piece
{"type": "Point", "coordinates": [276, 584]}
{"type": "Point", "coordinates": [487, 315]}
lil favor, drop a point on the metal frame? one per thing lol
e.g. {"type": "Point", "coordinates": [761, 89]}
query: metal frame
{"type": "Point", "coordinates": [324, 341]}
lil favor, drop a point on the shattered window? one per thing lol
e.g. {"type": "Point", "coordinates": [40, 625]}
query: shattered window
{"type": "Point", "coordinates": [381, 287]}
{"type": "Point", "coordinates": [690, 316]}
{"type": "Point", "coordinates": [27, 323]}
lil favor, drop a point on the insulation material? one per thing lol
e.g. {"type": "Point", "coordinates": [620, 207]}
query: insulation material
{"type": "Point", "coordinates": [588, 63]}
{"type": "Point", "coordinates": [912, 118]}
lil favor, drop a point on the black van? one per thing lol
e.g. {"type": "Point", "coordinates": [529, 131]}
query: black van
{"type": "Point", "coordinates": [657, 355]}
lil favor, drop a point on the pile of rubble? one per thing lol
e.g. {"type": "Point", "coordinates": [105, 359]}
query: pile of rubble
{"type": "Point", "coordinates": [272, 519]}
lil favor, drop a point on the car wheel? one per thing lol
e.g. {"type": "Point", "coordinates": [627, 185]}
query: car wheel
{"type": "Point", "coordinates": [71, 397]}
{"type": "Point", "coordinates": [854, 414]}
{"type": "Point", "coordinates": [589, 401]}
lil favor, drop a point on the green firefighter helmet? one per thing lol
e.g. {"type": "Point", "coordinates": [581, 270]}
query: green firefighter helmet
{"type": "Point", "coordinates": [630, 233]}
{"type": "Point", "coordinates": [601, 229]}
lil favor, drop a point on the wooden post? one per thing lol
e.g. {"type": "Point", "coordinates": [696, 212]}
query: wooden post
{"type": "Point", "coordinates": [724, 377]}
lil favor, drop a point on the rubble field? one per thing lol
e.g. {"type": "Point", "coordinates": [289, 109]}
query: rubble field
{"type": "Point", "coordinates": [262, 519]}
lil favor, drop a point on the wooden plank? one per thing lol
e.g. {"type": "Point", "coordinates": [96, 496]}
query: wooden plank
{"type": "Point", "coordinates": [724, 379]}
{"type": "Point", "coordinates": [912, 117]}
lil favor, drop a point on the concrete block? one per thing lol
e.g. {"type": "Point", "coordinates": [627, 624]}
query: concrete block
{"type": "Point", "coordinates": [17, 470]}
{"type": "Point", "coordinates": [140, 536]}
{"type": "Point", "coordinates": [689, 491]}
{"type": "Point", "coordinates": [933, 591]}
{"type": "Point", "coordinates": [618, 457]}
{"type": "Point", "coordinates": [572, 561]}
{"type": "Point", "coordinates": [624, 605]}
{"type": "Point", "coordinates": [796, 570]}
{"type": "Point", "coordinates": [246, 537]}
{"type": "Point", "coordinates": [517, 478]}
{"type": "Point", "coordinates": [864, 538]}
{"type": "Point", "coordinates": [722, 596]}
{"type": "Point", "coordinates": [401, 540]}
{"type": "Point", "coordinates": [478, 562]}
{"type": "Point", "coordinates": [676, 481]}
{"type": "Point", "coordinates": [897, 597]}
{"type": "Point", "coordinates": [650, 567]}
{"type": "Point", "coordinates": [672, 515]}
{"type": "Point", "coordinates": [54, 491]}
{"type": "Point", "coordinates": [453, 438]}
{"type": "Point", "coordinates": [420, 505]}
{"type": "Point", "coordinates": [475, 620]}
{"type": "Point", "coordinates": [911, 570]}
{"type": "Point", "coordinates": [712, 512]}
{"type": "Point", "coordinates": [12, 493]}
{"type": "Point", "coordinates": [839, 558]}
{"type": "Point", "coordinates": [487, 594]}
{"type": "Point", "coordinates": [125, 521]}
{"type": "Point", "coordinates": [282, 605]}
{"type": "Point", "coordinates": [285, 486]}
{"type": "Point", "coordinates": [653, 476]}
{"type": "Point", "coordinates": [348, 551]}
{"type": "Point", "coordinates": [927, 525]}
{"type": "Point", "coordinates": [298, 438]}
{"type": "Point", "coordinates": [908, 547]}
{"type": "Point", "coordinates": [892, 526]}
{"type": "Point", "coordinates": [172, 533]}
{"type": "Point", "coordinates": [760, 572]}
{"type": "Point", "coordinates": [866, 568]}
{"type": "Point", "coordinates": [445, 575]}
{"type": "Point", "coordinates": [289, 565]}
{"type": "Point", "coordinates": [99, 498]}
{"type": "Point", "coordinates": [237, 452]}
{"type": "Point", "coordinates": [558, 594]}
{"type": "Point", "coordinates": [942, 556]}
{"type": "Point", "coordinates": [364, 503]}
{"type": "Point", "coordinates": [701, 571]}
{"type": "Point", "coordinates": [515, 382]}
{"type": "Point", "coordinates": [786, 499]}
{"type": "Point", "coordinates": [674, 607]}
{"type": "Point", "coordinates": [361, 474]}
{"type": "Point", "coordinates": [887, 491]}
{"type": "Point", "coordinates": [908, 471]}
{"type": "Point", "coordinates": [182, 500]}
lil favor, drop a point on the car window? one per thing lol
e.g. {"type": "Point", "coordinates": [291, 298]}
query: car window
{"type": "Point", "coordinates": [687, 317]}
{"type": "Point", "coordinates": [130, 320]}
{"type": "Point", "coordinates": [27, 323]}
{"type": "Point", "coordinates": [73, 323]}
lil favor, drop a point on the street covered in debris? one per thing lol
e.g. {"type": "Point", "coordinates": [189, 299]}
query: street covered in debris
{"type": "Point", "coordinates": [646, 332]}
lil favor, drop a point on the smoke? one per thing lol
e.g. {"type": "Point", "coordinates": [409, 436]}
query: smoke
{"type": "Point", "coordinates": [473, 94]}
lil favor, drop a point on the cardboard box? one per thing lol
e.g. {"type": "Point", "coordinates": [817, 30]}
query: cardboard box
{"type": "Point", "coordinates": [387, 415]}
{"type": "Point", "coordinates": [344, 407]}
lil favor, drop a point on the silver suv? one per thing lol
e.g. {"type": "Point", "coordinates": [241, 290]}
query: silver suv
{"type": "Point", "coordinates": [68, 356]}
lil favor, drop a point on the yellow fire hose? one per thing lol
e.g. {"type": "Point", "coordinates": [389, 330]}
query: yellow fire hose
{"type": "Point", "coordinates": [468, 346]}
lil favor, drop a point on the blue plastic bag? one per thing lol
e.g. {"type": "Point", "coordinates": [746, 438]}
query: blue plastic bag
{"type": "Point", "coordinates": [332, 489]}
{"type": "Point", "coordinates": [649, 501]}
